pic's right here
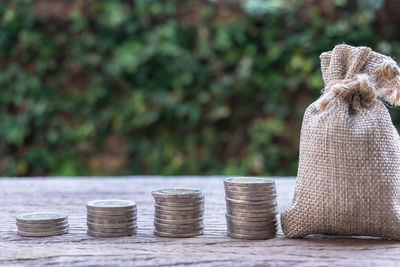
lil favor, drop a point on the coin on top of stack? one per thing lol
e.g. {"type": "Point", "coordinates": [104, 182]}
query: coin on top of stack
{"type": "Point", "coordinates": [111, 218]}
{"type": "Point", "coordinates": [178, 212]}
{"type": "Point", "coordinates": [41, 224]}
{"type": "Point", "coordinates": [251, 207]}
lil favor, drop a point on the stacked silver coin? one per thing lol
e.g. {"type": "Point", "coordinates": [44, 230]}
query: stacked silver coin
{"type": "Point", "coordinates": [111, 218]}
{"type": "Point", "coordinates": [178, 212]}
{"type": "Point", "coordinates": [40, 224]}
{"type": "Point", "coordinates": [251, 207]}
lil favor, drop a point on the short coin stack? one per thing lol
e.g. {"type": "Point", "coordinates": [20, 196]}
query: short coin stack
{"type": "Point", "coordinates": [178, 212]}
{"type": "Point", "coordinates": [251, 207]}
{"type": "Point", "coordinates": [40, 224]}
{"type": "Point", "coordinates": [111, 218]}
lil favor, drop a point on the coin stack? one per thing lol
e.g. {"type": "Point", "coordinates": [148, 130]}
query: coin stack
{"type": "Point", "coordinates": [178, 212]}
{"type": "Point", "coordinates": [111, 218]}
{"type": "Point", "coordinates": [251, 207]}
{"type": "Point", "coordinates": [40, 224]}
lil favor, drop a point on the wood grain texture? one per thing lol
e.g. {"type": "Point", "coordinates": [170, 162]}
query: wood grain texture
{"type": "Point", "coordinates": [213, 248]}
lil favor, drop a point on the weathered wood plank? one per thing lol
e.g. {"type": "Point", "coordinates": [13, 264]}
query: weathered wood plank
{"type": "Point", "coordinates": [213, 248]}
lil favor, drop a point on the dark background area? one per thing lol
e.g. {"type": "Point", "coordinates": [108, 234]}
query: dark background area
{"type": "Point", "coordinates": [169, 87]}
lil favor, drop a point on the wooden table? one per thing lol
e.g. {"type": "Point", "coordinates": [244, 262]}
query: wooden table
{"type": "Point", "coordinates": [69, 195]}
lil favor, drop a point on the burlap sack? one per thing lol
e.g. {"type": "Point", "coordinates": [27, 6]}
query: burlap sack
{"type": "Point", "coordinates": [349, 169]}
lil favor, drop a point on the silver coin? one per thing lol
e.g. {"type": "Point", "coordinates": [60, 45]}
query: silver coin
{"type": "Point", "coordinates": [179, 204]}
{"type": "Point", "coordinates": [178, 210]}
{"type": "Point", "coordinates": [112, 209]}
{"type": "Point", "coordinates": [124, 221]}
{"type": "Point", "coordinates": [179, 222]}
{"type": "Point", "coordinates": [179, 200]}
{"type": "Point", "coordinates": [42, 234]}
{"type": "Point", "coordinates": [248, 223]}
{"type": "Point", "coordinates": [272, 217]}
{"type": "Point", "coordinates": [185, 227]}
{"type": "Point", "coordinates": [179, 226]}
{"type": "Point", "coordinates": [252, 208]}
{"type": "Point", "coordinates": [250, 191]}
{"type": "Point", "coordinates": [233, 210]}
{"type": "Point", "coordinates": [177, 193]}
{"type": "Point", "coordinates": [249, 181]}
{"type": "Point", "coordinates": [258, 202]}
{"type": "Point", "coordinates": [262, 194]}
{"type": "Point", "coordinates": [267, 194]}
{"type": "Point", "coordinates": [111, 205]}
{"type": "Point", "coordinates": [110, 217]}
{"type": "Point", "coordinates": [112, 213]}
{"type": "Point", "coordinates": [98, 234]}
{"type": "Point", "coordinates": [247, 232]}
{"type": "Point", "coordinates": [197, 212]}
{"type": "Point", "coordinates": [176, 217]}
{"type": "Point", "coordinates": [252, 232]}
{"type": "Point", "coordinates": [253, 214]}
{"type": "Point", "coordinates": [47, 229]}
{"type": "Point", "coordinates": [42, 225]}
{"type": "Point", "coordinates": [190, 208]}
{"type": "Point", "coordinates": [112, 226]}
{"type": "Point", "coordinates": [111, 230]}
{"type": "Point", "coordinates": [176, 231]}
{"type": "Point", "coordinates": [265, 197]}
{"type": "Point", "coordinates": [256, 190]}
{"type": "Point", "coordinates": [185, 221]}
{"type": "Point", "coordinates": [42, 217]}
{"type": "Point", "coordinates": [250, 237]}
{"type": "Point", "coordinates": [163, 234]}
{"type": "Point", "coordinates": [178, 214]}
{"type": "Point", "coordinates": [243, 227]}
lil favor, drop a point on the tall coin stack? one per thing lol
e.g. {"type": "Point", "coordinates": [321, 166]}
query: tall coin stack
{"type": "Point", "coordinates": [40, 224]}
{"type": "Point", "coordinates": [178, 212]}
{"type": "Point", "coordinates": [111, 218]}
{"type": "Point", "coordinates": [251, 207]}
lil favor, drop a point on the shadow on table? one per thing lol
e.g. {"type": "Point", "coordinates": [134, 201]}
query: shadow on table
{"type": "Point", "coordinates": [347, 240]}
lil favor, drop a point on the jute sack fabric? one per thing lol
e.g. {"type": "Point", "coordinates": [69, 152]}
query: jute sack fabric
{"type": "Point", "coordinates": [349, 167]}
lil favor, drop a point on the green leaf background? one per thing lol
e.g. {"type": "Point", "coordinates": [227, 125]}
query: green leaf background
{"type": "Point", "coordinates": [169, 87]}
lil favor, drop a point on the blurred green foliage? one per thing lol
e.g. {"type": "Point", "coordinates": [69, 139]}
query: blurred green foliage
{"type": "Point", "coordinates": [169, 87]}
